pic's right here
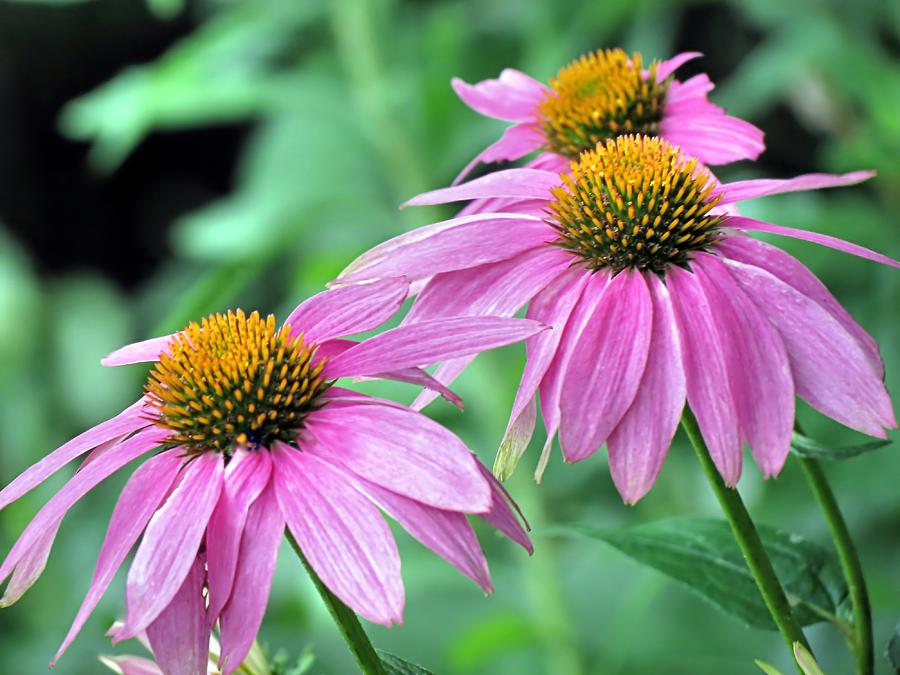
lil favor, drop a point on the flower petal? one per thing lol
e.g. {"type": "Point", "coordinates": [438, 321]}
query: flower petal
{"type": "Point", "coordinates": [31, 566]}
{"type": "Point", "coordinates": [130, 665]}
{"type": "Point", "coordinates": [125, 422]}
{"type": "Point", "coordinates": [669, 66]}
{"type": "Point", "coordinates": [512, 97]}
{"type": "Point", "coordinates": [428, 342]}
{"type": "Point", "coordinates": [79, 485]}
{"type": "Point", "coordinates": [138, 352]}
{"type": "Point", "coordinates": [403, 451]}
{"type": "Point", "coordinates": [171, 542]}
{"type": "Point", "coordinates": [742, 223]}
{"type": "Point", "coordinates": [831, 371]}
{"type": "Point", "coordinates": [243, 615]}
{"type": "Point", "coordinates": [639, 443]}
{"type": "Point", "coordinates": [706, 372]}
{"type": "Point", "coordinates": [517, 141]}
{"type": "Point", "coordinates": [711, 135]}
{"type": "Point", "coordinates": [348, 309]}
{"type": "Point", "coordinates": [760, 374]}
{"type": "Point", "coordinates": [245, 477]}
{"type": "Point", "coordinates": [606, 366]}
{"type": "Point", "coordinates": [341, 534]}
{"type": "Point", "coordinates": [501, 516]}
{"type": "Point", "coordinates": [751, 189]}
{"type": "Point", "coordinates": [179, 636]}
{"type": "Point", "coordinates": [139, 499]}
{"type": "Point", "coordinates": [519, 183]}
{"type": "Point", "coordinates": [447, 533]}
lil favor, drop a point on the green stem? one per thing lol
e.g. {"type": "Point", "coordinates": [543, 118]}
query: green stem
{"type": "Point", "coordinates": [748, 540]}
{"type": "Point", "coordinates": [366, 657]}
{"type": "Point", "coordinates": [840, 534]}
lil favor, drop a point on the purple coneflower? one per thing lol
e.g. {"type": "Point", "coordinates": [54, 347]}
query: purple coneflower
{"type": "Point", "coordinates": [600, 96]}
{"type": "Point", "coordinates": [655, 294]}
{"type": "Point", "coordinates": [249, 435]}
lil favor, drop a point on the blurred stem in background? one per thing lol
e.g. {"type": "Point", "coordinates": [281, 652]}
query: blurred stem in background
{"type": "Point", "coordinates": [357, 640]}
{"type": "Point", "coordinates": [861, 643]}
{"type": "Point", "coordinates": [748, 540]}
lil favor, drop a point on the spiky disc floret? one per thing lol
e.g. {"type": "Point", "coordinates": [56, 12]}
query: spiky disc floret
{"type": "Point", "coordinates": [233, 380]}
{"type": "Point", "coordinates": [600, 96]}
{"type": "Point", "coordinates": [635, 202]}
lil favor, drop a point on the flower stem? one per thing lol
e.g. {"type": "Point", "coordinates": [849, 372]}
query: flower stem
{"type": "Point", "coordinates": [366, 657]}
{"type": "Point", "coordinates": [748, 540]}
{"type": "Point", "coordinates": [840, 534]}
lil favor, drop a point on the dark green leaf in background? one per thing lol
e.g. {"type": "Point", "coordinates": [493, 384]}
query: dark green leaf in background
{"type": "Point", "coordinates": [893, 651]}
{"type": "Point", "coordinates": [807, 447]}
{"type": "Point", "coordinates": [394, 665]}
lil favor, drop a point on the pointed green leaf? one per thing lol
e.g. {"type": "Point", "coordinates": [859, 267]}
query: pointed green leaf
{"type": "Point", "coordinates": [767, 668]}
{"type": "Point", "coordinates": [394, 665]}
{"type": "Point", "coordinates": [807, 447]}
{"type": "Point", "coordinates": [892, 653]}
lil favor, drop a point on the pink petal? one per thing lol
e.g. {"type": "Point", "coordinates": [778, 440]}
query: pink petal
{"type": "Point", "coordinates": [669, 66]}
{"type": "Point", "coordinates": [31, 566]}
{"type": "Point", "coordinates": [432, 385]}
{"type": "Point", "coordinates": [512, 97]}
{"type": "Point", "coordinates": [606, 366]}
{"type": "Point", "coordinates": [501, 516]}
{"type": "Point", "coordinates": [348, 310]}
{"type": "Point", "coordinates": [712, 136]}
{"type": "Point", "coordinates": [692, 89]}
{"type": "Point", "coordinates": [138, 501]}
{"type": "Point", "coordinates": [131, 665]}
{"type": "Point", "coordinates": [171, 542]}
{"type": "Point", "coordinates": [751, 189]}
{"type": "Point", "coordinates": [639, 443]}
{"type": "Point", "coordinates": [447, 533]}
{"type": "Point", "coordinates": [403, 451]}
{"type": "Point", "coordinates": [341, 534]}
{"type": "Point", "coordinates": [794, 273]}
{"type": "Point", "coordinates": [244, 612]}
{"type": "Point", "coordinates": [138, 352]}
{"type": "Point", "coordinates": [760, 374]}
{"type": "Point", "coordinates": [831, 372]}
{"type": "Point", "coordinates": [519, 183]}
{"type": "Point", "coordinates": [706, 371]}
{"type": "Point", "coordinates": [245, 477]}
{"type": "Point", "coordinates": [79, 485]}
{"type": "Point", "coordinates": [125, 422]}
{"type": "Point", "coordinates": [742, 223]}
{"type": "Point", "coordinates": [428, 342]}
{"type": "Point", "coordinates": [179, 636]}
{"type": "Point", "coordinates": [517, 141]}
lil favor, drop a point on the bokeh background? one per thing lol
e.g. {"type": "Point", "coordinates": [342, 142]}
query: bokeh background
{"type": "Point", "coordinates": [162, 160]}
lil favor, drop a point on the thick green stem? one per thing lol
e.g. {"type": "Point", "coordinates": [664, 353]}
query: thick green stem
{"type": "Point", "coordinates": [748, 540]}
{"type": "Point", "coordinates": [840, 534]}
{"type": "Point", "coordinates": [366, 657]}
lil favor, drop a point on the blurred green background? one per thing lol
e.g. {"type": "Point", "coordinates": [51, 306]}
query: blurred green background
{"type": "Point", "coordinates": [162, 160]}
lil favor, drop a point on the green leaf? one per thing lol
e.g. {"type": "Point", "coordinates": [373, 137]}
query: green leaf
{"type": "Point", "coordinates": [807, 447]}
{"type": "Point", "coordinates": [394, 665]}
{"type": "Point", "coordinates": [892, 653]}
{"type": "Point", "coordinates": [806, 661]}
{"type": "Point", "coordinates": [767, 668]}
{"type": "Point", "coordinates": [702, 554]}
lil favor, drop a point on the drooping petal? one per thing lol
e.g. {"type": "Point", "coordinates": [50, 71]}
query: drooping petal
{"type": "Point", "coordinates": [125, 422]}
{"type": "Point", "coordinates": [428, 342]}
{"type": "Point", "coordinates": [79, 485]}
{"type": "Point", "coordinates": [341, 534]}
{"type": "Point", "coordinates": [831, 372]}
{"type": "Point", "coordinates": [179, 636]}
{"type": "Point", "coordinates": [245, 477]}
{"type": "Point", "coordinates": [433, 386]}
{"type": "Point", "coordinates": [606, 366]}
{"type": "Point", "coordinates": [171, 542]}
{"type": "Point", "coordinates": [512, 97]}
{"type": "Point", "coordinates": [743, 223]}
{"type": "Point", "coordinates": [760, 374]}
{"type": "Point", "coordinates": [796, 274]}
{"type": "Point", "coordinates": [243, 615]}
{"type": "Point", "coordinates": [348, 309]}
{"type": "Point", "coordinates": [484, 238]}
{"type": "Point", "coordinates": [138, 501]}
{"type": "Point", "coordinates": [517, 141]}
{"type": "Point", "coordinates": [138, 352]}
{"type": "Point", "coordinates": [518, 183]}
{"type": "Point", "coordinates": [403, 451]}
{"type": "Point", "coordinates": [751, 189]}
{"type": "Point", "coordinates": [669, 66]}
{"type": "Point", "coordinates": [639, 443]}
{"type": "Point", "coordinates": [447, 533]}
{"type": "Point", "coordinates": [130, 665]}
{"type": "Point", "coordinates": [30, 567]}
{"type": "Point", "coordinates": [706, 372]}
{"type": "Point", "coordinates": [501, 516]}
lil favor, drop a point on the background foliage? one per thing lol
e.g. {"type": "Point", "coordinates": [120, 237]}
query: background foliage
{"type": "Point", "coordinates": [159, 161]}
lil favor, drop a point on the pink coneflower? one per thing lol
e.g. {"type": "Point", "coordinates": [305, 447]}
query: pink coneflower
{"type": "Point", "coordinates": [655, 294]}
{"type": "Point", "coordinates": [600, 96]}
{"type": "Point", "coordinates": [250, 435]}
